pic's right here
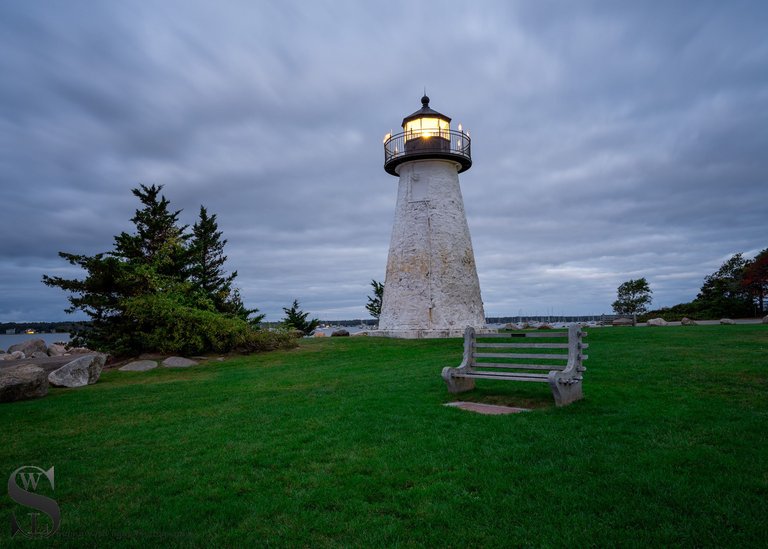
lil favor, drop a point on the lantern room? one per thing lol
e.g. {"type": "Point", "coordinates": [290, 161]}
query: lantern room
{"type": "Point", "coordinates": [426, 123]}
{"type": "Point", "coordinates": [426, 135]}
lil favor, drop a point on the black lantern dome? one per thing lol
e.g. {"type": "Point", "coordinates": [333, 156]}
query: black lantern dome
{"type": "Point", "coordinates": [425, 112]}
{"type": "Point", "coordinates": [426, 135]}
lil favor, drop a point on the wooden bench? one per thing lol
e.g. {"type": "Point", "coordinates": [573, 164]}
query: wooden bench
{"type": "Point", "coordinates": [551, 356]}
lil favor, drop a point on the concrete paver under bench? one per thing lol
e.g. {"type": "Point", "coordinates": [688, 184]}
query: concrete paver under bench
{"type": "Point", "coordinates": [487, 409]}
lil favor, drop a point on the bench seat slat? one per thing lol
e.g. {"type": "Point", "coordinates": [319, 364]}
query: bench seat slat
{"type": "Point", "coordinates": [521, 355]}
{"type": "Point", "coordinates": [521, 345]}
{"type": "Point", "coordinates": [505, 376]}
{"type": "Point", "coordinates": [511, 366]}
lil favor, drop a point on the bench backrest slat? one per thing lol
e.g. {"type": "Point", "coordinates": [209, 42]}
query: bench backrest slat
{"type": "Point", "coordinates": [520, 355]}
{"type": "Point", "coordinates": [517, 366]}
{"type": "Point", "coordinates": [543, 333]}
{"type": "Point", "coordinates": [521, 345]}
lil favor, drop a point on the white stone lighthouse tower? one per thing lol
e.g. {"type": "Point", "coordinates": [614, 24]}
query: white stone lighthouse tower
{"type": "Point", "coordinates": [431, 287]}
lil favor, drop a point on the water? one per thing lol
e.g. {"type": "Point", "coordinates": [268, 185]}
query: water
{"type": "Point", "coordinates": [6, 340]}
{"type": "Point", "coordinates": [328, 330]}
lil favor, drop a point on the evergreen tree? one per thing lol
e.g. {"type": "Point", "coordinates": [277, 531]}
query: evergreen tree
{"type": "Point", "coordinates": [206, 269]}
{"type": "Point", "coordinates": [100, 296]}
{"type": "Point", "coordinates": [297, 319]}
{"type": "Point", "coordinates": [234, 306]}
{"type": "Point", "coordinates": [206, 260]}
{"type": "Point", "coordinates": [374, 302]}
{"type": "Point", "coordinates": [159, 241]}
{"type": "Point", "coordinates": [156, 291]}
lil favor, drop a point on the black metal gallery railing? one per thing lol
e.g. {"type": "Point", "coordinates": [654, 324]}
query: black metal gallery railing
{"type": "Point", "coordinates": [447, 144]}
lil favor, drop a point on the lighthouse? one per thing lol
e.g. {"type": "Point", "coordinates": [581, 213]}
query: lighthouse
{"type": "Point", "coordinates": [431, 287]}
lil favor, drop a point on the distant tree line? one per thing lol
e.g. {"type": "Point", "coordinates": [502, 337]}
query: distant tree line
{"type": "Point", "coordinates": [737, 289]}
{"type": "Point", "coordinates": [547, 318]}
{"type": "Point", "coordinates": [43, 327]}
{"type": "Point", "coordinates": [163, 287]}
{"type": "Point", "coordinates": [351, 322]}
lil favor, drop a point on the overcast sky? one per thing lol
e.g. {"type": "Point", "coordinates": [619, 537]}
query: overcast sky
{"type": "Point", "coordinates": [611, 140]}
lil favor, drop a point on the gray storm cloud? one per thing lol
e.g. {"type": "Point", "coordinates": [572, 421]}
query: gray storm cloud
{"type": "Point", "coordinates": [609, 140]}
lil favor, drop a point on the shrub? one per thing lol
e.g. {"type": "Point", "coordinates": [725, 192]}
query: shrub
{"type": "Point", "coordinates": [163, 324]}
{"type": "Point", "coordinates": [268, 340]}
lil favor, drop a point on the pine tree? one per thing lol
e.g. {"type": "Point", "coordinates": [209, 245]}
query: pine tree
{"type": "Point", "coordinates": [206, 269]}
{"type": "Point", "coordinates": [99, 295]}
{"type": "Point", "coordinates": [159, 241]}
{"type": "Point", "coordinates": [374, 302]}
{"type": "Point", "coordinates": [234, 306]}
{"type": "Point", "coordinates": [297, 319]}
{"type": "Point", "coordinates": [149, 262]}
{"type": "Point", "coordinates": [148, 294]}
{"type": "Point", "coordinates": [206, 260]}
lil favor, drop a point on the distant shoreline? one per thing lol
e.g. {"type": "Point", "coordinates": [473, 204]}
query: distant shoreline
{"type": "Point", "coordinates": [6, 340]}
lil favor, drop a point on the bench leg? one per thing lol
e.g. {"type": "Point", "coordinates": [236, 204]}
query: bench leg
{"type": "Point", "coordinates": [565, 393]}
{"type": "Point", "coordinates": [457, 384]}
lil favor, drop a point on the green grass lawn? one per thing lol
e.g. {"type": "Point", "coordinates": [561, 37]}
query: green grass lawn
{"type": "Point", "coordinates": [345, 441]}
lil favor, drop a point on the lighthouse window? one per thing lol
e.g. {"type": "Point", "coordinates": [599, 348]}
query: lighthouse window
{"type": "Point", "coordinates": [425, 127]}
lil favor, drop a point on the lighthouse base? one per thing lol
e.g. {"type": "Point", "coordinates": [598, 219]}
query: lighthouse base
{"type": "Point", "coordinates": [427, 334]}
